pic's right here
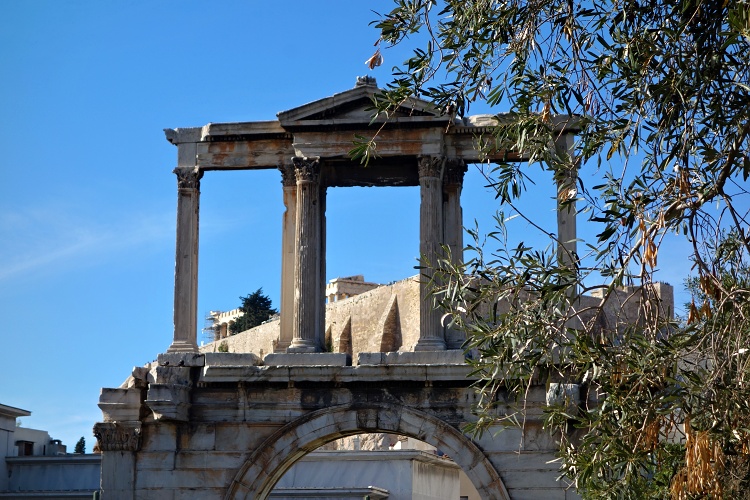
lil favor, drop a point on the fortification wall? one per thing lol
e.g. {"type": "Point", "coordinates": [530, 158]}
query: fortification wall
{"type": "Point", "coordinates": [386, 319]}
{"type": "Point", "coordinates": [380, 320]}
{"type": "Point", "coordinates": [258, 340]}
{"type": "Point", "coordinates": [383, 319]}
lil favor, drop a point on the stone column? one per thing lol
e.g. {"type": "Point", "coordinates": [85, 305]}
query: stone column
{"type": "Point", "coordinates": [566, 175]}
{"type": "Point", "coordinates": [452, 214]}
{"type": "Point", "coordinates": [186, 261]}
{"type": "Point", "coordinates": [431, 335]}
{"type": "Point", "coordinates": [306, 334]}
{"type": "Point", "coordinates": [453, 230]}
{"type": "Point", "coordinates": [288, 232]}
{"type": "Point", "coordinates": [321, 300]}
{"type": "Point", "coordinates": [118, 441]}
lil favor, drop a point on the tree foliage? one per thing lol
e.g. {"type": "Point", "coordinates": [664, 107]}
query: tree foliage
{"type": "Point", "coordinates": [661, 93]}
{"type": "Point", "coordinates": [256, 308]}
{"type": "Point", "coordinates": [80, 446]}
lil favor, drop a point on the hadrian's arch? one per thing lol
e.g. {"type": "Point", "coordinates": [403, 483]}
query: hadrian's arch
{"type": "Point", "coordinates": [227, 425]}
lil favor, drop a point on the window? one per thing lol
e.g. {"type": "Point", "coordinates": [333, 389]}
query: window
{"type": "Point", "coordinates": [25, 448]}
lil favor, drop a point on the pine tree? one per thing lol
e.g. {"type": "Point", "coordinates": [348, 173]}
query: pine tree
{"type": "Point", "coordinates": [256, 308]}
{"type": "Point", "coordinates": [80, 446]}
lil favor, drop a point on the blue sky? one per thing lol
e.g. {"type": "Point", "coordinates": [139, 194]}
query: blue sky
{"type": "Point", "coordinates": [87, 197]}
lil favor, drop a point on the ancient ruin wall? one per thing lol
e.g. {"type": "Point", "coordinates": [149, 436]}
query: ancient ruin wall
{"type": "Point", "coordinates": [391, 311]}
{"type": "Point", "coordinates": [258, 340]}
{"type": "Point", "coordinates": [385, 318]}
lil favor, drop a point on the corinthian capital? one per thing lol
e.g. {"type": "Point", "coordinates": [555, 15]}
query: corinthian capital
{"type": "Point", "coordinates": [430, 166]}
{"type": "Point", "coordinates": [188, 177]}
{"type": "Point", "coordinates": [306, 169]}
{"type": "Point", "coordinates": [118, 436]}
{"type": "Point", "coordinates": [454, 171]}
{"type": "Point", "coordinates": [287, 175]}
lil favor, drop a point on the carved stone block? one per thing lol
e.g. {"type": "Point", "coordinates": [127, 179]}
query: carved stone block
{"type": "Point", "coordinates": [119, 405]}
{"type": "Point", "coordinates": [174, 375]}
{"type": "Point", "coordinates": [181, 359]}
{"type": "Point", "coordinates": [169, 401]}
{"type": "Point", "coordinates": [306, 359]}
{"type": "Point", "coordinates": [232, 359]}
{"type": "Point", "coordinates": [118, 436]}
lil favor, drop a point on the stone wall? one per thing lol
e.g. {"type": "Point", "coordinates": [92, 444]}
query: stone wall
{"type": "Point", "coordinates": [386, 319]}
{"type": "Point", "coordinates": [259, 340]}
{"type": "Point", "coordinates": [216, 426]}
{"type": "Point", "coordinates": [380, 320]}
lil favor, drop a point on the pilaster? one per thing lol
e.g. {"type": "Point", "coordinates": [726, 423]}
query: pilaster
{"type": "Point", "coordinates": [118, 442]}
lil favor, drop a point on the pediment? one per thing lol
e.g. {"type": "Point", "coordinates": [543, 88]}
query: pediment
{"type": "Point", "coordinates": [354, 107]}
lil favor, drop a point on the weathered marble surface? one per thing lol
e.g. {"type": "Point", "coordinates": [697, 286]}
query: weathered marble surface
{"type": "Point", "coordinates": [233, 429]}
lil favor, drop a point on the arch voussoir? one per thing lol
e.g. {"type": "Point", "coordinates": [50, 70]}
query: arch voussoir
{"type": "Point", "coordinates": [278, 452]}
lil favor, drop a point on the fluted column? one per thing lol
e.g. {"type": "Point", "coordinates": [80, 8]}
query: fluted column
{"type": "Point", "coordinates": [321, 300]}
{"type": "Point", "coordinates": [289, 222]}
{"type": "Point", "coordinates": [453, 230]}
{"type": "Point", "coordinates": [431, 335]}
{"type": "Point", "coordinates": [186, 261]}
{"type": "Point", "coordinates": [452, 213]}
{"type": "Point", "coordinates": [306, 334]}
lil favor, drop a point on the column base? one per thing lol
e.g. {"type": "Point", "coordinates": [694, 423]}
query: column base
{"type": "Point", "coordinates": [183, 346]}
{"type": "Point", "coordinates": [301, 349]}
{"type": "Point", "coordinates": [430, 345]}
{"type": "Point", "coordinates": [304, 345]}
{"type": "Point", "coordinates": [281, 347]}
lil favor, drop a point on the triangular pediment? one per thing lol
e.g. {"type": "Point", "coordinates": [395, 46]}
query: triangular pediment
{"type": "Point", "coordinates": [352, 107]}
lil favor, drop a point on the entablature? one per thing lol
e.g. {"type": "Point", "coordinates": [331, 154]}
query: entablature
{"type": "Point", "coordinates": [329, 127]}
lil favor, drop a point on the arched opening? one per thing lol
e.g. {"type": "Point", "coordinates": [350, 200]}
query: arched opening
{"type": "Point", "coordinates": [378, 465]}
{"type": "Point", "coordinates": [268, 463]}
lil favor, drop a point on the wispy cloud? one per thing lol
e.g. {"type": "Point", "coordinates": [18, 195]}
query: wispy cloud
{"type": "Point", "coordinates": [43, 239]}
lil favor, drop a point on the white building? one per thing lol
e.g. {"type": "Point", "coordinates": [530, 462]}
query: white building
{"type": "Point", "coordinates": [32, 465]}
